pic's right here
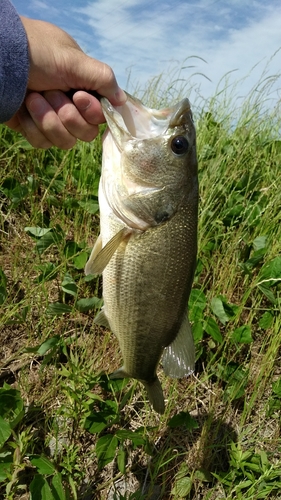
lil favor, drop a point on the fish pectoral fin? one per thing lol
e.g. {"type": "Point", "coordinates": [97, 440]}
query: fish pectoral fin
{"type": "Point", "coordinates": [101, 319]}
{"type": "Point", "coordinates": [155, 395]}
{"type": "Point", "coordinates": [96, 250]}
{"type": "Point", "coordinates": [100, 257]}
{"type": "Point", "coordinates": [179, 357]}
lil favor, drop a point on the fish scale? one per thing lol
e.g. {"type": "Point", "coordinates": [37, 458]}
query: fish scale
{"type": "Point", "coordinates": [147, 247]}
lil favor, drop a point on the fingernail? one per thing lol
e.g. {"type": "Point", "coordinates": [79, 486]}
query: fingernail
{"type": "Point", "coordinates": [82, 103]}
{"type": "Point", "coordinates": [120, 96]}
{"type": "Point", "coordinates": [37, 105]}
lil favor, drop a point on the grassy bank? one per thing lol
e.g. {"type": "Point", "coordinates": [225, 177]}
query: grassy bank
{"type": "Point", "coordinates": [66, 431]}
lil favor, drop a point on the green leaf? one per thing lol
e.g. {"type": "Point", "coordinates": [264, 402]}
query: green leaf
{"type": "Point", "coordinates": [135, 436]}
{"type": "Point", "coordinates": [211, 327]}
{"type": "Point", "coordinates": [264, 288]}
{"type": "Point", "coordinates": [106, 449]}
{"type": "Point", "coordinates": [266, 320]}
{"type": "Point", "coordinates": [242, 335]}
{"type": "Point", "coordinates": [197, 330]}
{"type": "Point", "coordinates": [112, 385]}
{"type": "Point", "coordinates": [276, 388]}
{"type": "Point", "coordinates": [68, 285]}
{"type": "Point", "coordinates": [71, 248]}
{"type": "Point", "coordinates": [183, 419]}
{"type": "Point", "coordinates": [48, 344]}
{"type": "Point", "coordinates": [260, 242]}
{"type": "Point", "coordinates": [3, 295]}
{"type": "Point", "coordinates": [15, 191]}
{"type": "Point", "coordinates": [121, 460]}
{"type": "Point", "coordinates": [43, 464]}
{"type": "Point", "coordinates": [218, 310]}
{"type": "Point", "coordinates": [57, 488]}
{"type": "Point", "coordinates": [80, 260]}
{"type": "Point", "coordinates": [40, 489]}
{"type": "Point", "coordinates": [11, 405]}
{"type": "Point", "coordinates": [89, 206]}
{"type": "Point", "coordinates": [51, 238]}
{"type": "Point", "coordinates": [5, 431]}
{"type": "Point", "coordinates": [270, 272]}
{"type": "Point", "coordinates": [48, 273]}
{"type": "Point", "coordinates": [6, 462]}
{"type": "Point", "coordinates": [89, 277]}
{"type": "Point", "coordinates": [203, 475]}
{"type": "Point", "coordinates": [197, 303]}
{"type": "Point", "coordinates": [182, 488]}
{"type": "Point", "coordinates": [3, 287]}
{"type": "Point", "coordinates": [37, 232]}
{"type": "Point", "coordinates": [85, 305]}
{"type": "Point", "coordinates": [105, 417]}
{"type": "Point", "coordinates": [57, 308]}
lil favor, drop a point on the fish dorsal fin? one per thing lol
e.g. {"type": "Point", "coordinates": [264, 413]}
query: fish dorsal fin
{"type": "Point", "coordinates": [179, 357]}
{"type": "Point", "coordinates": [100, 257]}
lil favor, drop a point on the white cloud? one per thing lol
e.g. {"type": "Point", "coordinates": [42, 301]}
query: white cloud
{"type": "Point", "coordinates": [147, 35]}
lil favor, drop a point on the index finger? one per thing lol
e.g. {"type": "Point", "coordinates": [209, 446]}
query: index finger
{"type": "Point", "coordinates": [91, 74]}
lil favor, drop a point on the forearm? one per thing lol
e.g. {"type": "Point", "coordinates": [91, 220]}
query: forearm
{"type": "Point", "coordinates": [14, 61]}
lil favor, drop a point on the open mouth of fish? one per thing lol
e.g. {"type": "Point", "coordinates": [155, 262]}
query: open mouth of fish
{"type": "Point", "coordinates": [135, 120]}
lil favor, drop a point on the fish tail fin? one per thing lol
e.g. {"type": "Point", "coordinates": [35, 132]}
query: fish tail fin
{"type": "Point", "coordinates": [155, 395]}
{"type": "Point", "coordinates": [179, 357]}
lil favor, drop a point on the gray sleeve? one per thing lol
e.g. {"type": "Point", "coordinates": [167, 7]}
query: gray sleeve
{"type": "Point", "coordinates": [14, 61]}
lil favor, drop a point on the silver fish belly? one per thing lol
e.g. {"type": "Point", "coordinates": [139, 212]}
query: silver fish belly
{"type": "Point", "coordinates": [147, 247]}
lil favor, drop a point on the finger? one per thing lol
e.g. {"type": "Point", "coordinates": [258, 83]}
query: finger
{"type": "Point", "coordinates": [47, 122]}
{"type": "Point", "coordinates": [92, 74]}
{"type": "Point", "coordinates": [71, 117]}
{"type": "Point", "coordinates": [27, 127]}
{"type": "Point", "coordinates": [89, 107]}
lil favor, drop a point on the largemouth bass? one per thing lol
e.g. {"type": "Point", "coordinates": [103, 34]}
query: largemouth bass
{"type": "Point", "coordinates": [146, 251]}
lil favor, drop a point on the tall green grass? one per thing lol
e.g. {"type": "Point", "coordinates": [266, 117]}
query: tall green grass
{"type": "Point", "coordinates": [66, 431]}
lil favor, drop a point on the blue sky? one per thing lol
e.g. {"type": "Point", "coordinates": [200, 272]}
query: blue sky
{"type": "Point", "coordinates": [144, 38]}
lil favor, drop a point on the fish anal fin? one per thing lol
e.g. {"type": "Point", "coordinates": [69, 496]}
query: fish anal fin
{"type": "Point", "coordinates": [99, 258]}
{"type": "Point", "coordinates": [101, 319]}
{"type": "Point", "coordinates": [179, 357]}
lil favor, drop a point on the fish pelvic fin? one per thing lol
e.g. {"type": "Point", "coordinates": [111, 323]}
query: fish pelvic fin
{"type": "Point", "coordinates": [101, 319]}
{"type": "Point", "coordinates": [100, 257]}
{"type": "Point", "coordinates": [120, 373]}
{"type": "Point", "coordinates": [155, 395]}
{"type": "Point", "coordinates": [179, 357]}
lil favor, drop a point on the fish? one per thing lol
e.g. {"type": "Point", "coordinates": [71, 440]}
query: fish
{"type": "Point", "coordinates": [147, 247]}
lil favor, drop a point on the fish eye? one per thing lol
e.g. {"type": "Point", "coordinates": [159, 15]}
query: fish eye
{"type": "Point", "coordinates": [179, 145]}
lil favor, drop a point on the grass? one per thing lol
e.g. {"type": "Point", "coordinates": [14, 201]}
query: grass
{"type": "Point", "coordinates": [66, 431]}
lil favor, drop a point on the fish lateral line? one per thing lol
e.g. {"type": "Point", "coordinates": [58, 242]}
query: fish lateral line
{"type": "Point", "coordinates": [100, 257]}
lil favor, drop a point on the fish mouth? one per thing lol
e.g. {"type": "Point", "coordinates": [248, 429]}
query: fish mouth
{"type": "Point", "coordinates": [133, 120]}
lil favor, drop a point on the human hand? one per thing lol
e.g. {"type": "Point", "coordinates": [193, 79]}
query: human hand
{"type": "Point", "coordinates": [57, 64]}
